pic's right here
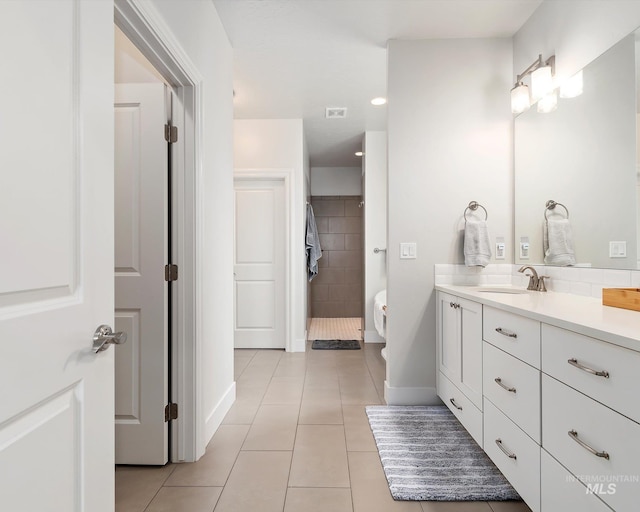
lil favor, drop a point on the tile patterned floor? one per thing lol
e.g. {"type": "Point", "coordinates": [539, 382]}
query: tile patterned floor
{"type": "Point", "coordinates": [335, 329]}
{"type": "Point", "coordinates": [296, 440]}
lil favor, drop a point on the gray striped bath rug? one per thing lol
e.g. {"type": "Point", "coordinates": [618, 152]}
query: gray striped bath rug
{"type": "Point", "coordinates": [427, 455]}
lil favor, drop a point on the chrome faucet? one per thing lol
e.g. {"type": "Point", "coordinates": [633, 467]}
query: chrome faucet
{"type": "Point", "coordinates": [535, 282]}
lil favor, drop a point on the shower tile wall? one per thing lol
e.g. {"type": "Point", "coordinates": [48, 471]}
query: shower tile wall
{"type": "Point", "coordinates": [336, 292]}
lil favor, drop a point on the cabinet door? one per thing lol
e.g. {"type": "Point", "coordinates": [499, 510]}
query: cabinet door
{"type": "Point", "coordinates": [470, 378]}
{"type": "Point", "coordinates": [448, 337]}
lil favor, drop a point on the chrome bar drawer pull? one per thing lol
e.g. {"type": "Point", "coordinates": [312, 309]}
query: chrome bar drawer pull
{"type": "Point", "coordinates": [505, 451]}
{"type": "Point", "coordinates": [599, 373]}
{"type": "Point", "coordinates": [506, 333]}
{"type": "Point", "coordinates": [574, 435]}
{"type": "Point", "coordinates": [498, 381]}
{"type": "Point", "coordinates": [455, 404]}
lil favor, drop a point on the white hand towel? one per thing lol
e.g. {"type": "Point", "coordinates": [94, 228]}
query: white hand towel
{"type": "Point", "coordinates": [558, 243]}
{"type": "Point", "coordinates": [477, 249]}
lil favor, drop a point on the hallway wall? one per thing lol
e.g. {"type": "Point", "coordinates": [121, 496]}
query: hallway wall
{"type": "Point", "coordinates": [203, 40]}
{"type": "Point", "coordinates": [272, 144]}
{"type": "Point", "coordinates": [374, 182]}
{"type": "Point", "coordinates": [449, 144]}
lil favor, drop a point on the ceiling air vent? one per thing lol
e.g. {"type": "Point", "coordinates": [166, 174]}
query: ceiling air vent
{"type": "Point", "coordinates": [336, 113]}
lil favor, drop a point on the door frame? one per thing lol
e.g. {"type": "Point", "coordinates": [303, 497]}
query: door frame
{"type": "Point", "coordinates": [287, 176]}
{"type": "Point", "coordinates": [148, 32]}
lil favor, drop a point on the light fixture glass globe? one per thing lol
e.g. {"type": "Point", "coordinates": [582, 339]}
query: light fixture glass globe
{"type": "Point", "coordinates": [548, 103]}
{"type": "Point", "coordinates": [541, 82]}
{"type": "Point", "coordinates": [520, 98]}
{"type": "Point", "coordinates": [572, 87]}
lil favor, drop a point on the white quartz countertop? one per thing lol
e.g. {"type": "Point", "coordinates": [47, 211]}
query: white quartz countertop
{"type": "Point", "coordinates": [584, 315]}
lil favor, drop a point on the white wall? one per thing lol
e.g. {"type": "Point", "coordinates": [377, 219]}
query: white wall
{"type": "Point", "coordinates": [197, 28]}
{"type": "Point", "coordinates": [450, 142]}
{"type": "Point", "coordinates": [279, 144]}
{"type": "Point", "coordinates": [336, 181]}
{"type": "Point", "coordinates": [375, 225]}
{"type": "Point", "coordinates": [131, 66]}
{"type": "Point", "coordinates": [576, 32]}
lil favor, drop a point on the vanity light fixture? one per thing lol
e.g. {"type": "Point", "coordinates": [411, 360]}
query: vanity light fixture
{"type": "Point", "coordinates": [520, 98]}
{"type": "Point", "coordinates": [572, 87]}
{"type": "Point", "coordinates": [359, 153]}
{"type": "Point", "coordinates": [541, 84]}
{"type": "Point", "coordinates": [548, 103]}
{"type": "Point", "coordinates": [542, 80]}
{"type": "Point", "coordinates": [377, 102]}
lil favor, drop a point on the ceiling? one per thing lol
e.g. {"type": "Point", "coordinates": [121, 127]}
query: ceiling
{"type": "Point", "coordinates": [295, 58]}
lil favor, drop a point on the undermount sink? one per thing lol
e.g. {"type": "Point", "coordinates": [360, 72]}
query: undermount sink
{"type": "Point", "coordinates": [505, 289]}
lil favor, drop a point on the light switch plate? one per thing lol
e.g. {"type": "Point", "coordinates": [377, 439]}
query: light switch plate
{"type": "Point", "coordinates": [618, 249]}
{"type": "Point", "coordinates": [408, 251]}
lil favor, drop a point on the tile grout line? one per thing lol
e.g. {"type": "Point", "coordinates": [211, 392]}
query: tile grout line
{"type": "Point", "coordinates": [226, 480]}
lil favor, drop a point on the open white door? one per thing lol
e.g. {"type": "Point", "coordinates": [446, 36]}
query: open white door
{"type": "Point", "coordinates": [56, 237]}
{"type": "Point", "coordinates": [141, 298]}
{"type": "Point", "coordinates": [259, 266]}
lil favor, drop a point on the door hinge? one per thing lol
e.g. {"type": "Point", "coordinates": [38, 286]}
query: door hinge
{"type": "Point", "coordinates": [171, 412]}
{"type": "Point", "coordinates": [170, 133]}
{"type": "Point", "coordinates": [171, 272]}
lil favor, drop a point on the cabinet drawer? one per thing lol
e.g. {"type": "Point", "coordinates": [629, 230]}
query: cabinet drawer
{"type": "Point", "coordinates": [514, 334]}
{"type": "Point", "coordinates": [467, 413]}
{"type": "Point", "coordinates": [523, 469]}
{"type": "Point", "coordinates": [566, 410]}
{"type": "Point", "coordinates": [560, 490]}
{"type": "Point", "coordinates": [521, 401]}
{"type": "Point", "coordinates": [619, 390]}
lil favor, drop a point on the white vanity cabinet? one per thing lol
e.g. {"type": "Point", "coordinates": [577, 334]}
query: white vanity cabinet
{"type": "Point", "coordinates": [459, 355]}
{"type": "Point", "coordinates": [590, 409]}
{"type": "Point", "coordinates": [560, 376]}
{"type": "Point", "coordinates": [511, 386]}
{"type": "Point", "coordinates": [515, 334]}
{"type": "Point", "coordinates": [514, 387]}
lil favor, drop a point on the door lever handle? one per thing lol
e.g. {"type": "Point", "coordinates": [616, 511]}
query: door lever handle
{"type": "Point", "coordinates": [104, 336]}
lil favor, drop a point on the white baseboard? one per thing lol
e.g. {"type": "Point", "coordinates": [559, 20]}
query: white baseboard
{"type": "Point", "coordinates": [215, 417]}
{"type": "Point", "coordinates": [410, 396]}
{"type": "Point", "coordinates": [373, 337]}
{"type": "Point", "coordinates": [299, 345]}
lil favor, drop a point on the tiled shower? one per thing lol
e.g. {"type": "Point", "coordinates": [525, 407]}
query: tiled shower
{"type": "Point", "coordinates": [337, 290]}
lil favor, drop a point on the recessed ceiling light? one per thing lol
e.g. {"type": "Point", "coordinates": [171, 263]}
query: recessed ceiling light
{"type": "Point", "coordinates": [359, 153]}
{"type": "Point", "coordinates": [378, 101]}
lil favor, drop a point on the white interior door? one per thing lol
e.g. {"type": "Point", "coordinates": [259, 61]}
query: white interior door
{"type": "Point", "coordinates": [141, 293]}
{"type": "Point", "coordinates": [259, 266]}
{"type": "Point", "coordinates": [56, 256]}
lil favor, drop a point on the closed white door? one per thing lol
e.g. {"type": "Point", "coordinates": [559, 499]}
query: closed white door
{"type": "Point", "coordinates": [259, 265]}
{"type": "Point", "coordinates": [141, 293]}
{"type": "Point", "coordinates": [56, 256]}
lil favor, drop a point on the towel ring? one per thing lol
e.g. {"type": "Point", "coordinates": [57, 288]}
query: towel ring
{"type": "Point", "coordinates": [550, 205]}
{"type": "Point", "coordinates": [473, 206]}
